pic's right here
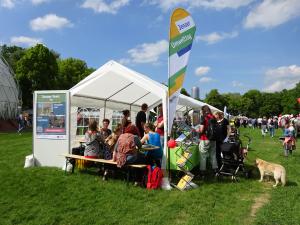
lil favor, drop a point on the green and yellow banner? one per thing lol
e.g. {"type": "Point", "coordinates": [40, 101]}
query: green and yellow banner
{"type": "Point", "coordinates": [182, 31]}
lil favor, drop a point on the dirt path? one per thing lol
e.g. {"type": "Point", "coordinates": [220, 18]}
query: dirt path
{"type": "Point", "coordinates": [259, 202]}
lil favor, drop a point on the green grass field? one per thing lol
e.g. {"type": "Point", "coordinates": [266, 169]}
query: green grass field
{"type": "Point", "coordinates": [48, 196]}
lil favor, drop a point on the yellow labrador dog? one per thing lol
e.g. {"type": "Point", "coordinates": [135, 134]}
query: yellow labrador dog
{"type": "Point", "coordinates": [267, 168]}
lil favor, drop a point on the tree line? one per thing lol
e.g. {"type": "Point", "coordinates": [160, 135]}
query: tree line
{"type": "Point", "coordinates": [39, 68]}
{"type": "Point", "coordinates": [254, 103]}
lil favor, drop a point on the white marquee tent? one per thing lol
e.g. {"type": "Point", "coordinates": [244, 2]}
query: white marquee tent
{"type": "Point", "coordinates": [116, 87]}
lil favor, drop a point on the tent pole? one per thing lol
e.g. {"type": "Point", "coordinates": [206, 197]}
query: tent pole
{"type": "Point", "coordinates": [104, 109]}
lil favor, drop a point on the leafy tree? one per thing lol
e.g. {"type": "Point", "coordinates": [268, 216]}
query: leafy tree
{"type": "Point", "coordinates": [246, 105]}
{"type": "Point", "coordinates": [270, 105]}
{"type": "Point", "coordinates": [12, 54]}
{"type": "Point", "coordinates": [256, 97]}
{"type": "Point", "coordinates": [289, 102]}
{"type": "Point", "coordinates": [215, 99]}
{"type": "Point", "coordinates": [234, 103]}
{"type": "Point", "coordinates": [184, 92]}
{"type": "Point", "coordinates": [36, 70]}
{"type": "Point", "coordinates": [71, 71]}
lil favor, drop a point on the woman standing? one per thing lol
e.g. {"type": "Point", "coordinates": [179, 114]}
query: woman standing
{"type": "Point", "coordinates": [223, 131]}
{"type": "Point", "coordinates": [125, 120]}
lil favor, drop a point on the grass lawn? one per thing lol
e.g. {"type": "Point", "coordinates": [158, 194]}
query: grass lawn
{"type": "Point", "coordinates": [48, 196]}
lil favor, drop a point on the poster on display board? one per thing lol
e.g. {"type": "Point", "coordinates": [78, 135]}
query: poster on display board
{"type": "Point", "coordinates": [51, 116]}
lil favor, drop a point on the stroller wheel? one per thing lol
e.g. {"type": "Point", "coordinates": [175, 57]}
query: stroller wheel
{"type": "Point", "coordinates": [234, 179]}
{"type": "Point", "coordinates": [218, 176]}
{"type": "Point", "coordinates": [248, 174]}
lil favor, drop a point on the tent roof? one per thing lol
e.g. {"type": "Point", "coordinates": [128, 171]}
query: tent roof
{"type": "Point", "coordinates": [115, 84]}
{"type": "Point", "coordinates": [117, 87]}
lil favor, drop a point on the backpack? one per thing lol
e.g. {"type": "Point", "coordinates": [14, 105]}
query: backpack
{"type": "Point", "coordinates": [211, 131]}
{"type": "Point", "coordinates": [154, 177]}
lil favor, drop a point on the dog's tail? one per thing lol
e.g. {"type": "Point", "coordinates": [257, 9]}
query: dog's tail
{"type": "Point", "coordinates": [283, 176]}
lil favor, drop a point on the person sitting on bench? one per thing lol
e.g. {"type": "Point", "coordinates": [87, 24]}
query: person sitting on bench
{"type": "Point", "coordinates": [153, 138]}
{"type": "Point", "coordinates": [126, 149]}
{"type": "Point", "coordinates": [92, 149]}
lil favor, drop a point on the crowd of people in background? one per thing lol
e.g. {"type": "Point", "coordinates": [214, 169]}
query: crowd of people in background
{"type": "Point", "coordinates": [287, 125]}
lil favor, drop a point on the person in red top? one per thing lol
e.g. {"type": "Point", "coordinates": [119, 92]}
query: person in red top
{"type": "Point", "coordinates": [207, 148]}
{"type": "Point", "coordinates": [159, 124]}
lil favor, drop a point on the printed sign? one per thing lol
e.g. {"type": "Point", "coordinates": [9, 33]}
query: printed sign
{"type": "Point", "coordinates": [51, 116]}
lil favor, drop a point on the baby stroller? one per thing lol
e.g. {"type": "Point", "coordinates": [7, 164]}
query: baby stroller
{"type": "Point", "coordinates": [233, 155]}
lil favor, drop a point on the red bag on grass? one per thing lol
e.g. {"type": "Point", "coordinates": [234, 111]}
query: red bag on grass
{"type": "Point", "coordinates": [155, 176]}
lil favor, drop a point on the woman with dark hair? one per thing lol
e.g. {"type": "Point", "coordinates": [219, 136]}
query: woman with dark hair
{"type": "Point", "coordinates": [92, 149]}
{"type": "Point", "coordinates": [126, 149]}
{"type": "Point", "coordinates": [141, 119]}
{"type": "Point", "coordinates": [159, 124]}
{"type": "Point", "coordinates": [125, 120]}
{"type": "Point", "coordinates": [223, 131]}
{"type": "Point", "coordinates": [207, 145]}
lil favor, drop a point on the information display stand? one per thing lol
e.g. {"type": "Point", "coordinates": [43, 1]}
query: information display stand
{"type": "Point", "coordinates": [186, 140]}
{"type": "Point", "coordinates": [50, 127]}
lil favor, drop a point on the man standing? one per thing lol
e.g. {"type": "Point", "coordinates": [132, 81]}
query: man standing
{"type": "Point", "coordinates": [140, 119]}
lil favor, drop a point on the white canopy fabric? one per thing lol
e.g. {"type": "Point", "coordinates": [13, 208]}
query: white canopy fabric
{"type": "Point", "coordinates": [114, 85]}
{"type": "Point", "coordinates": [117, 87]}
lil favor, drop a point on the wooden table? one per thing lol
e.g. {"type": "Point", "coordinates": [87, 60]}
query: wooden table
{"type": "Point", "coordinates": [149, 148]}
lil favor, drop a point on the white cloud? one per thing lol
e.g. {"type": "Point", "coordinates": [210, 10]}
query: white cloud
{"type": "Point", "coordinates": [202, 70]}
{"type": "Point", "coordinates": [7, 3]}
{"type": "Point", "coordinates": [25, 41]}
{"type": "Point", "coordinates": [237, 84]}
{"type": "Point", "coordinates": [49, 21]}
{"type": "Point", "coordinates": [146, 53]}
{"type": "Point", "coordinates": [271, 13]}
{"type": "Point", "coordinates": [285, 77]}
{"type": "Point", "coordinates": [223, 4]}
{"type": "Point", "coordinates": [38, 2]}
{"type": "Point", "coordinates": [212, 4]}
{"type": "Point", "coordinates": [206, 79]}
{"type": "Point", "coordinates": [125, 61]}
{"type": "Point", "coordinates": [215, 37]}
{"type": "Point", "coordinates": [101, 6]}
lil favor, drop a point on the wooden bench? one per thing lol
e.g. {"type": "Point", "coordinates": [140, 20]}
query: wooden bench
{"type": "Point", "coordinates": [101, 161]}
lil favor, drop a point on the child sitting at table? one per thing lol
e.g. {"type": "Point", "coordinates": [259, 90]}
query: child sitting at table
{"type": "Point", "coordinates": [152, 138]}
{"type": "Point", "coordinates": [111, 141]}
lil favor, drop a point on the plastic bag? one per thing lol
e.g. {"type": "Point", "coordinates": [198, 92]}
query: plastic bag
{"type": "Point", "coordinates": [29, 161]}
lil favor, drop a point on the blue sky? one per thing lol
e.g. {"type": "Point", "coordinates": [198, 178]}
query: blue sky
{"type": "Point", "coordinates": [239, 44]}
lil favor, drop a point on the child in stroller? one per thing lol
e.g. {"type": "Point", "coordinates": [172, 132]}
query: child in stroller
{"type": "Point", "coordinates": [233, 155]}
